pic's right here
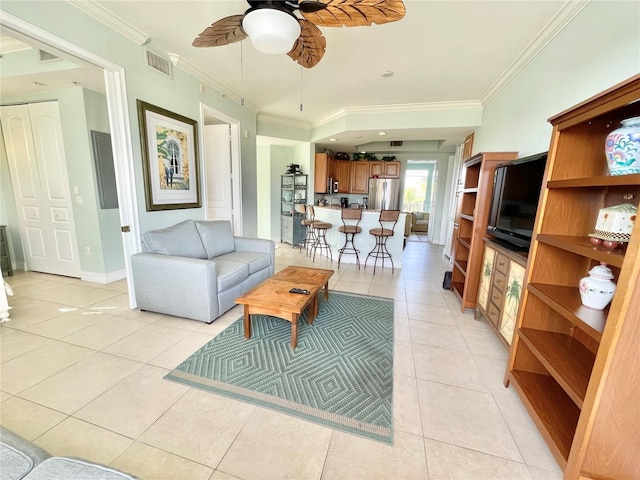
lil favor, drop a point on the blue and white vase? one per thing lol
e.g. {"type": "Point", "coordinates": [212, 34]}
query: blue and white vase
{"type": "Point", "coordinates": [622, 148]}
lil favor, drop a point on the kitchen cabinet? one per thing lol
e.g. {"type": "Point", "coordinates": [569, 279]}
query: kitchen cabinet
{"type": "Point", "coordinates": [576, 369]}
{"type": "Point", "coordinates": [323, 173]}
{"type": "Point", "coordinates": [385, 169]}
{"type": "Point", "coordinates": [474, 201]}
{"type": "Point", "coordinates": [467, 146]}
{"type": "Point", "coordinates": [360, 173]}
{"type": "Point", "coordinates": [342, 176]}
{"type": "Point", "coordinates": [500, 288]}
{"type": "Point", "coordinates": [293, 197]}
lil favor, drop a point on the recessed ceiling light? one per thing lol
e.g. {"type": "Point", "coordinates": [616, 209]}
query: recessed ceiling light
{"type": "Point", "coordinates": [387, 74]}
{"type": "Point", "coordinates": [333, 140]}
{"type": "Point", "coordinates": [382, 133]}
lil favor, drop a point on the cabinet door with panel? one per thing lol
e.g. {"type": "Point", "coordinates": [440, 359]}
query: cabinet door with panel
{"type": "Point", "coordinates": [360, 177]}
{"type": "Point", "coordinates": [342, 176]}
{"type": "Point", "coordinates": [385, 169]}
{"type": "Point", "coordinates": [392, 169]}
{"type": "Point", "coordinates": [485, 279]}
{"type": "Point", "coordinates": [324, 166]}
{"type": "Point", "coordinates": [500, 288]}
{"type": "Point", "coordinates": [511, 300]}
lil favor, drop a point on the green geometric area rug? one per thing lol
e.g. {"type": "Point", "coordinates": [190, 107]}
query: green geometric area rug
{"type": "Point", "coordinates": [340, 375]}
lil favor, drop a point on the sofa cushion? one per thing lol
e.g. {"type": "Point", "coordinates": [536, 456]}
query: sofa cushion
{"type": "Point", "coordinates": [230, 273]}
{"type": "Point", "coordinates": [256, 261]}
{"type": "Point", "coordinates": [217, 237]}
{"type": "Point", "coordinates": [181, 240]}
{"type": "Point", "coordinates": [17, 455]}
{"type": "Point", "coordinates": [15, 464]}
{"type": "Point", "coordinates": [72, 468]}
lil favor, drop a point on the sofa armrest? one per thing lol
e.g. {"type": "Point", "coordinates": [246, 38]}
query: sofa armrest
{"type": "Point", "coordinates": [180, 286]}
{"type": "Point", "coordinates": [245, 244]}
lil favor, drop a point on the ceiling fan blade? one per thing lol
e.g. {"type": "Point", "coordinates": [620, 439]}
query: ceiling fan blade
{"type": "Point", "coordinates": [310, 6]}
{"type": "Point", "coordinates": [310, 45]}
{"type": "Point", "coordinates": [356, 13]}
{"type": "Point", "coordinates": [223, 32]}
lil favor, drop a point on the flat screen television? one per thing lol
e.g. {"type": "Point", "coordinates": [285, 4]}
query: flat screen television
{"type": "Point", "coordinates": [516, 192]}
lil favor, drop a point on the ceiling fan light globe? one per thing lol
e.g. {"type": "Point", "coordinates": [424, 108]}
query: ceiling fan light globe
{"type": "Point", "coordinates": [271, 31]}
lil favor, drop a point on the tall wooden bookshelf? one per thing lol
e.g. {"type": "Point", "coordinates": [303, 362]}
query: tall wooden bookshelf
{"type": "Point", "coordinates": [472, 212]}
{"type": "Point", "coordinates": [577, 370]}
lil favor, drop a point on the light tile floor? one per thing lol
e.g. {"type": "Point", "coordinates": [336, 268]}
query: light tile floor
{"type": "Point", "coordinates": [82, 375]}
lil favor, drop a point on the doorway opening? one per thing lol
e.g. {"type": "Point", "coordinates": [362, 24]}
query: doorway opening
{"type": "Point", "coordinates": [419, 193]}
{"type": "Point", "coordinates": [119, 126]}
{"type": "Point", "coordinates": [222, 169]}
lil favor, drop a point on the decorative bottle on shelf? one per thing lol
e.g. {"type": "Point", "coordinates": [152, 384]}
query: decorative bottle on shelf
{"type": "Point", "coordinates": [622, 148]}
{"type": "Point", "coordinates": [596, 290]}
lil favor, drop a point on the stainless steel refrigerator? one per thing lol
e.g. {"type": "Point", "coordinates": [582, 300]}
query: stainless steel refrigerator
{"type": "Point", "coordinates": [384, 194]}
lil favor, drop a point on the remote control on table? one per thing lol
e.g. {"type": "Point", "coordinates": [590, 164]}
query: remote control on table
{"type": "Point", "coordinates": [300, 290]}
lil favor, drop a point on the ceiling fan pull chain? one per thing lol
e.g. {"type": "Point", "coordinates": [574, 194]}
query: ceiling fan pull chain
{"type": "Point", "coordinates": [301, 70]}
{"type": "Point", "coordinates": [241, 76]}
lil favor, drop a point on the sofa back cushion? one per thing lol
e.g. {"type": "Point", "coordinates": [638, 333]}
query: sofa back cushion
{"type": "Point", "coordinates": [217, 237]}
{"type": "Point", "coordinates": [181, 240]}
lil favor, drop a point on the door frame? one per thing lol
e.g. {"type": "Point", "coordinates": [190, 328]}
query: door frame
{"type": "Point", "coordinates": [119, 124]}
{"type": "Point", "coordinates": [236, 172]}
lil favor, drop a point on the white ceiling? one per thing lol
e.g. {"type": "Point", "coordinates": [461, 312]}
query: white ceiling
{"type": "Point", "coordinates": [442, 51]}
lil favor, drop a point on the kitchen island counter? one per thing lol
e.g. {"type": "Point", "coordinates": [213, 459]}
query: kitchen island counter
{"type": "Point", "coordinates": [363, 241]}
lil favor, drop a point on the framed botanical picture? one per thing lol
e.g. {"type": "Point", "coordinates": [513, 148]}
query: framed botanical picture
{"type": "Point", "coordinates": [169, 158]}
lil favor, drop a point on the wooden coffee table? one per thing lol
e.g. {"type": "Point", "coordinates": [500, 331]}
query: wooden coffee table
{"type": "Point", "coordinates": [272, 297]}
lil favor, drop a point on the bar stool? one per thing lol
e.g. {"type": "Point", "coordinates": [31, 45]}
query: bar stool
{"type": "Point", "coordinates": [320, 232]}
{"type": "Point", "coordinates": [350, 229]}
{"type": "Point", "coordinates": [388, 220]}
{"type": "Point", "coordinates": [307, 223]}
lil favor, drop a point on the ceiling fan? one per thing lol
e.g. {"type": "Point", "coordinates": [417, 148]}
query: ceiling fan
{"type": "Point", "coordinates": [273, 27]}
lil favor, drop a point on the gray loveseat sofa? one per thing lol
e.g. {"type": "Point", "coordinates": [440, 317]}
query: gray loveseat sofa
{"type": "Point", "coordinates": [21, 459]}
{"type": "Point", "coordinates": [196, 269]}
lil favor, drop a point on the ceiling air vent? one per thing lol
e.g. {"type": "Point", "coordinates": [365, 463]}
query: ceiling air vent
{"type": "Point", "coordinates": [395, 143]}
{"type": "Point", "coordinates": [158, 63]}
{"type": "Point", "coordinates": [46, 57]}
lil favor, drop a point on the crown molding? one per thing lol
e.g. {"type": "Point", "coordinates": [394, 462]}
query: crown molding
{"type": "Point", "coordinates": [93, 9]}
{"type": "Point", "coordinates": [287, 122]}
{"type": "Point", "coordinates": [194, 71]}
{"type": "Point", "coordinates": [565, 15]}
{"type": "Point", "coordinates": [399, 108]}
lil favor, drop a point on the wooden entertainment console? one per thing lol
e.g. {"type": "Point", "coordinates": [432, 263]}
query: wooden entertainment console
{"type": "Point", "coordinates": [501, 286]}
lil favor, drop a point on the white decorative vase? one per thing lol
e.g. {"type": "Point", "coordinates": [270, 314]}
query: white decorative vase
{"type": "Point", "coordinates": [596, 290]}
{"type": "Point", "coordinates": [622, 148]}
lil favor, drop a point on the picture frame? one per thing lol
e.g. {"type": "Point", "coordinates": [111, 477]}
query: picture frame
{"type": "Point", "coordinates": [170, 163]}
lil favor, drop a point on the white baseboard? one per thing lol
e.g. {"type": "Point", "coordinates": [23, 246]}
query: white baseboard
{"type": "Point", "coordinates": [104, 278]}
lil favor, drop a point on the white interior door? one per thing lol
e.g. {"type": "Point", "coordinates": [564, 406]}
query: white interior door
{"type": "Point", "coordinates": [217, 148]}
{"type": "Point", "coordinates": [38, 169]}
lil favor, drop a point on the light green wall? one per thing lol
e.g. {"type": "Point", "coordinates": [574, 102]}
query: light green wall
{"type": "Point", "coordinates": [109, 219]}
{"type": "Point", "coordinates": [263, 168]}
{"type": "Point", "coordinates": [598, 49]}
{"type": "Point", "coordinates": [272, 163]}
{"type": "Point", "coordinates": [180, 95]}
